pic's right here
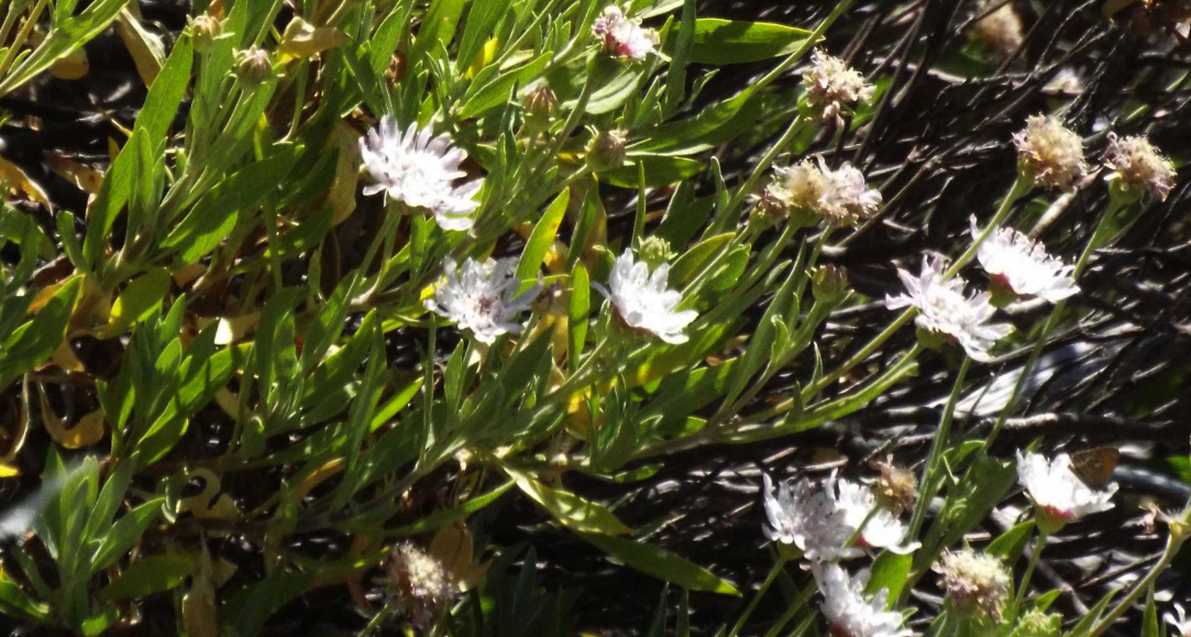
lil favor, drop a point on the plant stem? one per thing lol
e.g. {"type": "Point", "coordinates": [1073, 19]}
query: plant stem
{"type": "Point", "coordinates": [377, 619]}
{"type": "Point", "coordinates": [1035, 555]}
{"type": "Point", "coordinates": [930, 476]}
{"type": "Point", "coordinates": [800, 600]}
{"type": "Point", "coordinates": [778, 565]}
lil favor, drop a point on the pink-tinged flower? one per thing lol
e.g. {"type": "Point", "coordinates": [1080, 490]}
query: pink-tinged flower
{"type": "Point", "coordinates": [1058, 494]}
{"type": "Point", "coordinates": [482, 297]}
{"type": "Point", "coordinates": [833, 87]}
{"type": "Point", "coordinates": [1023, 266]}
{"type": "Point", "coordinates": [841, 197]}
{"type": "Point", "coordinates": [420, 171]}
{"type": "Point", "coordinates": [976, 583]}
{"type": "Point", "coordinates": [623, 36]}
{"type": "Point", "coordinates": [945, 309]}
{"type": "Point", "coordinates": [1051, 154]}
{"type": "Point", "coordinates": [1139, 166]}
{"type": "Point", "coordinates": [849, 611]}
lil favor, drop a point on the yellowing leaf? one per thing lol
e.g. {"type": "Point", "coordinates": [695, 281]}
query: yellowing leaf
{"type": "Point", "coordinates": [84, 177]}
{"type": "Point", "coordinates": [16, 179]}
{"type": "Point", "coordinates": [73, 66]}
{"type": "Point", "coordinates": [138, 300]}
{"type": "Point", "coordinates": [569, 509]}
{"type": "Point", "coordinates": [303, 40]}
{"type": "Point", "coordinates": [88, 431]}
{"type": "Point", "coordinates": [341, 197]}
{"type": "Point", "coordinates": [8, 470]}
{"type": "Point", "coordinates": [146, 48]}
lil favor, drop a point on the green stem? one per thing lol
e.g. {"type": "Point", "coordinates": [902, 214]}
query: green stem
{"type": "Point", "coordinates": [1035, 556]}
{"type": "Point", "coordinates": [377, 619]}
{"type": "Point", "coordinates": [800, 600]}
{"type": "Point", "coordinates": [752, 605]}
{"type": "Point", "coordinates": [930, 478]}
{"type": "Point", "coordinates": [756, 173]}
{"type": "Point", "coordinates": [1178, 535]}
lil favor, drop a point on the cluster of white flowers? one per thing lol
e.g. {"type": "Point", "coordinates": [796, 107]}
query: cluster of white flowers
{"type": "Point", "coordinates": [977, 583]}
{"type": "Point", "coordinates": [1059, 495]}
{"type": "Point", "coordinates": [1023, 266]}
{"type": "Point", "coordinates": [643, 301]}
{"type": "Point", "coordinates": [850, 612]}
{"type": "Point", "coordinates": [841, 197]}
{"type": "Point", "coordinates": [623, 36]}
{"type": "Point", "coordinates": [833, 87]}
{"type": "Point", "coordinates": [945, 309]}
{"type": "Point", "coordinates": [420, 171]}
{"type": "Point", "coordinates": [482, 297]}
{"type": "Point", "coordinates": [835, 521]}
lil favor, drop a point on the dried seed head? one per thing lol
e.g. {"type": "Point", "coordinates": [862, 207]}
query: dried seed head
{"type": "Point", "coordinates": [976, 583]}
{"type": "Point", "coordinates": [1000, 30]}
{"type": "Point", "coordinates": [833, 87]}
{"type": "Point", "coordinates": [896, 486]}
{"type": "Point", "coordinates": [421, 583]}
{"type": "Point", "coordinates": [253, 66]}
{"type": "Point", "coordinates": [204, 29]}
{"type": "Point", "coordinates": [840, 197]}
{"type": "Point", "coordinates": [1138, 166]}
{"type": "Point", "coordinates": [606, 150]}
{"type": "Point", "coordinates": [1049, 153]}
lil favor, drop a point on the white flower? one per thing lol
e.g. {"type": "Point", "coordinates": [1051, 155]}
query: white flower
{"type": "Point", "coordinates": [882, 529]}
{"type": "Point", "coordinates": [832, 87]}
{"type": "Point", "coordinates": [482, 297]}
{"type": "Point", "coordinates": [622, 36]}
{"type": "Point", "coordinates": [841, 196]}
{"type": "Point", "coordinates": [1050, 153]}
{"type": "Point", "coordinates": [809, 519]}
{"type": "Point", "coordinates": [1181, 623]}
{"type": "Point", "coordinates": [975, 582]}
{"type": "Point", "coordinates": [1137, 164]}
{"type": "Point", "coordinates": [944, 308]}
{"type": "Point", "coordinates": [643, 301]}
{"type": "Point", "coordinates": [821, 521]}
{"type": "Point", "coordinates": [1057, 492]}
{"type": "Point", "coordinates": [1015, 261]}
{"type": "Point", "coordinates": [419, 171]}
{"type": "Point", "coordinates": [849, 612]}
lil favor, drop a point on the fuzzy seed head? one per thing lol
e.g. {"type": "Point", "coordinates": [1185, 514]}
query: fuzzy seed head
{"type": "Point", "coordinates": [1138, 166]}
{"type": "Point", "coordinates": [833, 87]}
{"type": "Point", "coordinates": [420, 581]}
{"type": "Point", "coordinates": [977, 583]}
{"type": "Point", "coordinates": [841, 197]}
{"type": "Point", "coordinates": [1049, 153]}
{"type": "Point", "coordinates": [897, 487]}
{"type": "Point", "coordinates": [1000, 30]}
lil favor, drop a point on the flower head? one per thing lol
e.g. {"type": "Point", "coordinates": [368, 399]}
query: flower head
{"type": "Point", "coordinates": [849, 612]}
{"type": "Point", "coordinates": [643, 301]}
{"type": "Point", "coordinates": [1000, 30]}
{"type": "Point", "coordinates": [1051, 154]}
{"type": "Point", "coordinates": [1023, 266]}
{"type": "Point", "coordinates": [821, 521]}
{"type": "Point", "coordinates": [482, 297]}
{"type": "Point", "coordinates": [841, 196]}
{"type": "Point", "coordinates": [945, 309]}
{"type": "Point", "coordinates": [1038, 623]}
{"type": "Point", "coordinates": [622, 36]}
{"type": "Point", "coordinates": [1058, 494]}
{"type": "Point", "coordinates": [1138, 166]}
{"type": "Point", "coordinates": [896, 487]}
{"type": "Point", "coordinates": [1181, 623]}
{"type": "Point", "coordinates": [977, 583]}
{"type": "Point", "coordinates": [833, 87]}
{"type": "Point", "coordinates": [420, 171]}
{"type": "Point", "coordinates": [421, 583]}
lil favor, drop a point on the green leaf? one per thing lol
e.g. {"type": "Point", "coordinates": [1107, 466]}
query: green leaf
{"type": "Point", "coordinates": [890, 571]}
{"type": "Point", "coordinates": [718, 41]}
{"type": "Point", "coordinates": [63, 39]}
{"type": "Point", "coordinates": [125, 533]}
{"type": "Point", "coordinates": [1149, 622]}
{"type": "Point", "coordinates": [577, 311]}
{"type": "Point", "coordinates": [1009, 545]}
{"type": "Point", "coordinates": [438, 27]}
{"type": "Point", "coordinates": [662, 564]}
{"type": "Point", "coordinates": [440, 519]}
{"type": "Point", "coordinates": [166, 92]}
{"type": "Point", "coordinates": [482, 18]}
{"type": "Point", "coordinates": [572, 511]}
{"type": "Point", "coordinates": [713, 125]}
{"type": "Point", "coordinates": [693, 260]}
{"type": "Point", "coordinates": [660, 170]}
{"type": "Point", "coordinates": [36, 340]}
{"type": "Point", "coordinates": [248, 610]}
{"type": "Point", "coordinates": [540, 240]}
{"type": "Point", "coordinates": [14, 602]}
{"type": "Point", "coordinates": [139, 300]}
{"type": "Point", "coordinates": [149, 575]}
{"type": "Point", "coordinates": [113, 194]}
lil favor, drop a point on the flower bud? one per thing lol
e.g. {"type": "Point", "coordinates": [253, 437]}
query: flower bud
{"type": "Point", "coordinates": [253, 66]}
{"type": "Point", "coordinates": [1138, 167]}
{"type": "Point", "coordinates": [204, 29]}
{"type": "Point", "coordinates": [977, 584]}
{"type": "Point", "coordinates": [1038, 623]}
{"type": "Point", "coordinates": [606, 150]}
{"type": "Point", "coordinates": [655, 251]}
{"type": "Point", "coordinates": [829, 284]}
{"type": "Point", "coordinates": [540, 105]}
{"type": "Point", "coordinates": [1050, 154]}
